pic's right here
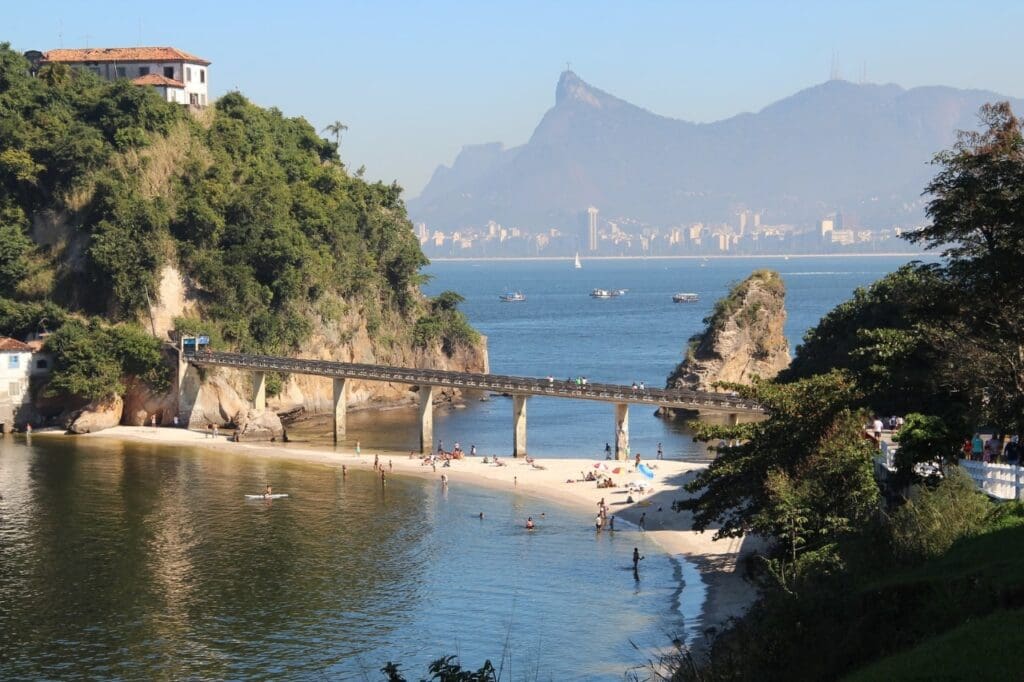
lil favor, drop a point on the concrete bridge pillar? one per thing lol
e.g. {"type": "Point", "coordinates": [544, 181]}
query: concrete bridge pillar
{"type": "Point", "coordinates": [622, 431]}
{"type": "Point", "coordinates": [340, 408]}
{"type": "Point", "coordinates": [734, 419]}
{"type": "Point", "coordinates": [426, 419]}
{"type": "Point", "coordinates": [519, 425]}
{"type": "Point", "coordinates": [259, 386]}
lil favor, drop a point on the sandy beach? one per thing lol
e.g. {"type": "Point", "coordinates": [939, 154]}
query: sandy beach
{"type": "Point", "coordinates": [728, 595]}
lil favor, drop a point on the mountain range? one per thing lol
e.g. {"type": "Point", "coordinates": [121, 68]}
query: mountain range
{"type": "Point", "coordinates": [861, 149]}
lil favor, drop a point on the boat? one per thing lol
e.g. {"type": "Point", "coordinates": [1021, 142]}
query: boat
{"type": "Point", "coordinates": [685, 298]}
{"type": "Point", "coordinates": [578, 264]}
{"type": "Point", "coordinates": [619, 292]}
{"type": "Point", "coordinates": [600, 293]}
{"type": "Point", "coordinates": [275, 496]}
{"type": "Point", "coordinates": [512, 297]}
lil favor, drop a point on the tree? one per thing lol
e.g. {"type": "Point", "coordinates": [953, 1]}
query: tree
{"type": "Point", "coordinates": [802, 477]}
{"type": "Point", "coordinates": [336, 129]}
{"type": "Point", "coordinates": [977, 214]}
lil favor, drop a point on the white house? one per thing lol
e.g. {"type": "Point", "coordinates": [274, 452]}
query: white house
{"type": "Point", "coordinates": [19, 363]}
{"type": "Point", "coordinates": [178, 76]}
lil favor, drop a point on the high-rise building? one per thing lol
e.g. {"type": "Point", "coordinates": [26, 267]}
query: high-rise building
{"type": "Point", "coordinates": [592, 229]}
{"type": "Point", "coordinates": [825, 228]}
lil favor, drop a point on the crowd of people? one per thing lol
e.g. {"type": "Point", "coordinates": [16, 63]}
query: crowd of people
{"type": "Point", "coordinates": [997, 449]}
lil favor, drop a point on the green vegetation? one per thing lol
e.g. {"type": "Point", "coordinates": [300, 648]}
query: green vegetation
{"type": "Point", "coordinates": [444, 324]}
{"type": "Point", "coordinates": [726, 307]}
{"type": "Point", "coordinates": [914, 571]}
{"type": "Point", "coordinates": [103, 184]}
{"type": "Point", "coordinates": [92, 360]}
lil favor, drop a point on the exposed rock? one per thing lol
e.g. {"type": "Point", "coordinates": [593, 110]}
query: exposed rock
{"type": "Point", "coordinates": [96, 416]}
{"type": "Point", "coordinates": [258, 425]}
{"type": "Point", "coordinates": [141, 403]}
{"type": "Point", "coordinates": [744, 337]}
{"type": "Point", "coordinates": [215, 400]}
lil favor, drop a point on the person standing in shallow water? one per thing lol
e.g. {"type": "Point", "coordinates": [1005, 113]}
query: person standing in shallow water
{"type": "Point", "coordinates": [643, 521]}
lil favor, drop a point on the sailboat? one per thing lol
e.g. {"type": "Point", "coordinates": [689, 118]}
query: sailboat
{"type": "Point", "coordinates": [578, 263]}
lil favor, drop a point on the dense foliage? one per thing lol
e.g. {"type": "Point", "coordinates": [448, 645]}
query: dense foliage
{"type": "Point", "coordinates": [254, 207]}
{"type": "Point", "coordinates": [942, 344]}
{"type": "Point", "coordinates": [93, 360]}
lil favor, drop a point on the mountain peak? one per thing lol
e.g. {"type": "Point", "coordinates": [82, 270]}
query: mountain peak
{"type": "Point", "coordinates": [573, 88]}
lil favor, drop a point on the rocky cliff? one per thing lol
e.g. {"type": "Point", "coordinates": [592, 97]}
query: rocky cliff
{"type": "Point", "coordinates": [743, 339]}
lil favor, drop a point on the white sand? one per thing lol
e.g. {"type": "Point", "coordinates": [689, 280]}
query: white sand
{"type": "Point", "coordinates": [728, 594]}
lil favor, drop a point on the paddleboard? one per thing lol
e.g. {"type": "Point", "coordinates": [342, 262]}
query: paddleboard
{"type": "Point", "coordinates": [275, 496]}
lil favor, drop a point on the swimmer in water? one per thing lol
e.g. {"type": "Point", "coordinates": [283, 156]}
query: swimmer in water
{"type": "Point", "coordinates": [267, 492]}
{"type": "Point", "coordinates": [529, 523]}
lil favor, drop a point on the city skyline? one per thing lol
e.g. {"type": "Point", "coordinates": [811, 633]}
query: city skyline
{"type": "Point", "coordinates": [376, 68]}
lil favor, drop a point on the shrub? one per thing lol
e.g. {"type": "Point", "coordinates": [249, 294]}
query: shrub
{"type": "Point", "coordinates": [936, 517]}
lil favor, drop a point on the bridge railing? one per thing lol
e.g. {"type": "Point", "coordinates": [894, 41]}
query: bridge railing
{"type": "Point", "coordinates": [492, 382]}
{"type": "Point", "coordinates": [1001, 481]}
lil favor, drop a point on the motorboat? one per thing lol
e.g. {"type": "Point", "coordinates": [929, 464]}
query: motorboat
{"type": "Point", "coordinates": [601, 293]}
{"type": "Point", "coordinates": [512, 297]}
{"type": "Point", "coordinates": [619, 292]}
{"type": "Point", "coordinates": [683, 297]}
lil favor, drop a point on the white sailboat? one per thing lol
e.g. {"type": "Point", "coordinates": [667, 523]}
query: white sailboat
{"type": "Point", "coordinates": [578, 263]}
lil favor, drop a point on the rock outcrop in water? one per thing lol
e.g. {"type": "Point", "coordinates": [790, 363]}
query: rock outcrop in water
{"type": "Point", "coordinates": [744, 337]}
{"type": "Point", "coordinates": [96, 416]}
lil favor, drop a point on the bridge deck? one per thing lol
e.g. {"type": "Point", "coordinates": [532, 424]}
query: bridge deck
{"type": "Point", "coordinates": [609, 393]}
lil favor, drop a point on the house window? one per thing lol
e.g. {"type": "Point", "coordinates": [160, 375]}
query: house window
{"type": "Point", "coordinates": [188, 74]}
{"type": "Point", "coordinates": [168, 72]}
{"type": "Point", "coordinates": [202, 75]}
{"type": "Point", "coordinates": [143, 70]}
{"type": "Point", "coordinates": [13, 362]}
{"type": "Point", "coordinates": [42, 364]}
{"type": "Point", "coordinates": [122, 72]}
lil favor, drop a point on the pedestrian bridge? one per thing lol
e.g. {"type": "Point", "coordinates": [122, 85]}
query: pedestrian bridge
{"type": "Point", "coordinates": [520, 388]}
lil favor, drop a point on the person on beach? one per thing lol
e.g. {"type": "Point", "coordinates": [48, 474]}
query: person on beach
{"type": "Point", "coordinates": [391, 466]}
{"type": "Point", "coordinates": [376, 462]}
{"type": "Point", "coordinates": [638, 459]}
{"type": "Point", "coordinates": [267, 492]}
{"type": "Point", "coordinates": [661, 454]}
{"type": "Point", "coordinates": [598, 522]}
{"type": "Point", "coordinates": [529, 523]}
{"type": "Point", "coordinates": [611, 523]}
{"type": "Point", "coordinates": [607, 450]}
{"type": "Point", "coordinates": [153, 421]}
{"type": "Point", "coordinates": [216, 430]}
{"type": "Point", "coordinates": [444, 480]}
{"type": "Point", "coordinates": [472, 451]}
{"type": "Point", "coordinates": [643, 521]}
{"type": "Point", "coordinates": [359, 450]}
{"type": "Point", "coordinates": [636, 559]}
{"type": "Point", "coordinates": [344, 471]}
{"type": "Point", "coordinates": [382, 479]}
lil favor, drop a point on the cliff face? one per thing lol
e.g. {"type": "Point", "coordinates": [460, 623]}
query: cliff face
{"type": "Point", "coordinates": [744, 337]}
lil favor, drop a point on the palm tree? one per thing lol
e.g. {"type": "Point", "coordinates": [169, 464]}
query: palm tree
{"type": "Point", "coordinates": [336, 129]}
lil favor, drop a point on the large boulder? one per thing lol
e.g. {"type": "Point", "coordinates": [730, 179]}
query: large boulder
{"type": "Point", "coordinates": [96, 416]}
{"type": "Point", "coordinates": [744, 338]}
{"type": "Point", "coordinates": [141, 403]}
{"type": "Point", "coordinates": [254, 425]}
{"type": "Point", "coordinates": [215, 401]}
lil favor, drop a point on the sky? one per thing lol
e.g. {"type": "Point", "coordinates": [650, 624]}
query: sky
{"type": "Point", "coordinates": [415, 81]}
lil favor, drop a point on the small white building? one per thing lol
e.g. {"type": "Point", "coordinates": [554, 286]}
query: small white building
{"type": "Point", "coordinates": [19, 364]}
{"type": "Point", "coordinates": [178, 76]}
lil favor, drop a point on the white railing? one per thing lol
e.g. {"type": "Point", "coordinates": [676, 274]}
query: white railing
{"type": "Point", "coordinates": [998, 480]}
{"type": "Point", "coordinates": [1002, 481]}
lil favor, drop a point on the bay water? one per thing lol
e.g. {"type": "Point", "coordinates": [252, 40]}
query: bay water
{"type": "Point", "coordinates": [135, 561]}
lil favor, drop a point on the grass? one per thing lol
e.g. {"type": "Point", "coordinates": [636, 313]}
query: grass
{"type": "Point", "coordinates": [988, 648]}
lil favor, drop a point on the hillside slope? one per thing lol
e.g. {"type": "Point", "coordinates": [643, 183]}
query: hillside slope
{"type": "Point", "coordinates": [234, 221]}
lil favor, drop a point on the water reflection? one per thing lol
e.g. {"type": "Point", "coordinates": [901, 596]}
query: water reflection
{"type": "Point", "coordinates": [126, 560]}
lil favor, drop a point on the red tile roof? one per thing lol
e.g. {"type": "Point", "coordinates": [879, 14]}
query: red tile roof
{"type": "Point", "coordinates": [157, 79]}
{"type": "Point", "coordinates": [9, 344]}
{"type": "Point", "coordinates": [123, 54]}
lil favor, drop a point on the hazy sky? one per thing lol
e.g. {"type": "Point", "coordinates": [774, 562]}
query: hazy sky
{"type": "Point", "coordinates": [417, 80]}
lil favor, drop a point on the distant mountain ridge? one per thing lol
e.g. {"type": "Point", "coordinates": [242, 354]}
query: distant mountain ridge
{"type": "Point", "coordinates": [859, 148]}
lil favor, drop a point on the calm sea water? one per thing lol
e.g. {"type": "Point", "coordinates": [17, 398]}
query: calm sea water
{"type": "Point", "coordinates": [136, 561]}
